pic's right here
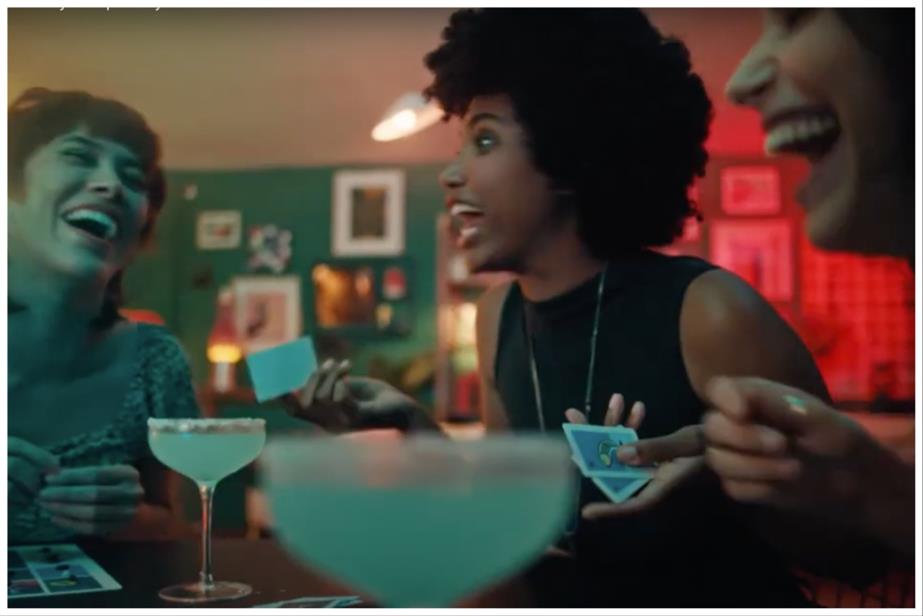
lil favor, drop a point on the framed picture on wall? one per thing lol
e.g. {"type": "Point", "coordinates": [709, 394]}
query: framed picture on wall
{"type": "Point", "coordinates": [368, 213]}
{"type": "Point", "coordinates": [760, 252]}
{"type": "Point", "coordinates": [267, 310]}
{"type": "Point", "coordinates": [218, 230]}
{"type": "Point", "coordinates": [750, 191]}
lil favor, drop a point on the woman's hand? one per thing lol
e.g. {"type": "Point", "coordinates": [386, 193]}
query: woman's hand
{"type": "Point", "coordinates": [774, 444]}
{"type": "Point", "coordinates": [26, 464]}
{"type": "Point", "coordinates": [678, 458]}
{"type": "Point", "coordinates": [341, 403]}
{"type": "Point", "coordinates": [93, 500]}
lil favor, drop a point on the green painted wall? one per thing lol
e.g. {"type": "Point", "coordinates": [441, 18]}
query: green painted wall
{"type": "Point", "coordinates": [162, 279]}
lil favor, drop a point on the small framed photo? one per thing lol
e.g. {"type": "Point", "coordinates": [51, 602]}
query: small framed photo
{"type": "Point", "coordinates": [368, 213]}
{"type": "Point", "coordinates": [267, 310]}
{"type": "Point", "coordinates": [218, 230]}
{"type": "Point", "coordinates": [750, 191]}
{"type": "Point", "coordinates": [760, 252]}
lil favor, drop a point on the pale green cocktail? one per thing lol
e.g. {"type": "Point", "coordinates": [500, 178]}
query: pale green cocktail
{"type": "Point", "coordinates": [424, 522]}
{"type": "Point", "coordinates": [206, 451]}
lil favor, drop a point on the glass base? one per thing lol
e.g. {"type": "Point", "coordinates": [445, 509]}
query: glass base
{"type": "Point", "coordinates": [196, 592]}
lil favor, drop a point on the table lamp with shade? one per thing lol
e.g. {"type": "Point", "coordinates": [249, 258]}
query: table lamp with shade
{"type": "Point", "coordinates": [223, 349]}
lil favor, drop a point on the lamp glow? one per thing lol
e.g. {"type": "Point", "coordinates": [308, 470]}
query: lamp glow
{"type": "Point", "coordinates": [224, 353]}
{"type": "Point", "coordinates": [223, 349]}
{"type": "Point", "coordinates": [410, 114]}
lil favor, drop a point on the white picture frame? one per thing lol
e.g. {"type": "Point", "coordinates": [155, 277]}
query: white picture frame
{"type": "Point", "coordinates": [218, 229]}
{"type": "Point", "coordinates": [267, 310]}
{"type": "Point", "coordinates": [368, 213]}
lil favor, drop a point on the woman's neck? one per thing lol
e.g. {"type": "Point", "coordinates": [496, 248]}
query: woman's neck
{"type": "Point", "coordinates": [51, 308]}
{"type": "Point", "coordinates": [563, 264]}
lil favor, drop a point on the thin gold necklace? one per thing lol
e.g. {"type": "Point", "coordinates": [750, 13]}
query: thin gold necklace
{"type": "Point", "coordinates": [571, 530]}
{"type": "Point", "coordinates": [588, 395]}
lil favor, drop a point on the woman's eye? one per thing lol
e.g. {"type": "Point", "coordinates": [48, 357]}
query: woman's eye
{"type": "Point", "coordinates": [792, 17]}
{"type": "Point", "coordinates": [483, 142]}
{"type": "Point", "coordinates": [82, 157]}
{"type": "Point", "coordinates": [135, 181]}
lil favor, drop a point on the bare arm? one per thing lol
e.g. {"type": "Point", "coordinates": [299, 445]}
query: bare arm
{"type": "Point", "coordinates": [726, 328]}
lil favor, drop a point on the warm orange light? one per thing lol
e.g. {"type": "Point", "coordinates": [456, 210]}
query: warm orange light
{"type": "Point", "coordinates": [410, 114]}
{"type": "Point", "coordinates": [222, 346]}
{"type": "Point", "coordinates": [465, 319]}
{"type": "Point", "coordinates": [224, 353]}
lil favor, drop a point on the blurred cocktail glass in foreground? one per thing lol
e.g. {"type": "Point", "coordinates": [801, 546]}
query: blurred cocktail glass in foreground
{"type": "Point", "coordinates": [423, 521]}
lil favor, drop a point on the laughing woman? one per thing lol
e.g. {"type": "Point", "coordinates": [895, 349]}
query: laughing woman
{"type": "Point", "coordinates": [851, 72]}
{"type": "Point", "coordinates": [85, 190]}
{"type": "Point", "coordinates": [834, 87]}
{"type": "Point", "coordinates": [582, 131]}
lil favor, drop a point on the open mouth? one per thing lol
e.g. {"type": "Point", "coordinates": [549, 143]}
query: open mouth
{"type": "Point", "coordinates": [466, 219]}
{"type": "Point", "coordinates": [94, 223]}
{"type": "Point", "coordinates": [809, 133]}
{"type": "Point", "coordinates": [816, 135]}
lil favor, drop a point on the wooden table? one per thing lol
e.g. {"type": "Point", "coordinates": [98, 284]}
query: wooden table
{"type": "Point", "coordinates": [144, 568]}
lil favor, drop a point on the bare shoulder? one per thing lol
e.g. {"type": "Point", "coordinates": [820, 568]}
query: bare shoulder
{"type": "Point", "coordinates": [720, 299]}
{"type": "Point", "coordinates": [727, 328]}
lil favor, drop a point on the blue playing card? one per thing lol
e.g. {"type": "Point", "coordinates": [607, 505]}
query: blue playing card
{"type": "Point", "coordinates": [595, 449]}
{"type": "Point", "coordinates": [620, 489]}
{"type": "Point", "coordinates": [314, 602]}
{"type": "Point", "coordinates": [282, 369]}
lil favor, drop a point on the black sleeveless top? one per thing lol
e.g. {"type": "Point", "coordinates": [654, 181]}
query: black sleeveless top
{"type": "Point", "coordinates": [695, 547]}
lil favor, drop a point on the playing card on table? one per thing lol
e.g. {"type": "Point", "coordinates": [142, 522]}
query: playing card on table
{"type": "Point", "coordinates": [595, 447]}
{"type": "Point", "coordinates": [315, 602]}
{"type": "Point", "coordinates": [282, 369]}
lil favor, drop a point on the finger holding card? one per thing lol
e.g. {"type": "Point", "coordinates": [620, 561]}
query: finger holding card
{"type": "Point", "coordinates": [666, 461]}
{"type": "Point", "coordinates": [685, 442]}
{"type": "Point", "coordinates": [314, 393]}
{"type": "Point", "coordinates": [595, 448]}
{"type": "Point", "coordinates": [27, 466]}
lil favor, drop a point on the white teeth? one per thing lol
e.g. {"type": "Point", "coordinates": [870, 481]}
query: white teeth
{"type": "Point", "coordinates": [789, 135]}
{"type": "Point", "coordinates": [466, 232]}
{"type": "Point", "coordinates": [110, 225]}
{"type": "Point", "coordinates": [459, 209]}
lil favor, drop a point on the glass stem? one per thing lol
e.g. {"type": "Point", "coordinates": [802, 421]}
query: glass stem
{"type": "Point", "coordinates": [206, 493]}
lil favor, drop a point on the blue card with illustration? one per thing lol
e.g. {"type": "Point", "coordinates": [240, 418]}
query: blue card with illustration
{"type": "Point", "coordinates": [595, 448]}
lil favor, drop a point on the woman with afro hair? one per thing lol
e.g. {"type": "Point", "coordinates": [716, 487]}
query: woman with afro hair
{"type": "Point", "coordinates": [582, 131]}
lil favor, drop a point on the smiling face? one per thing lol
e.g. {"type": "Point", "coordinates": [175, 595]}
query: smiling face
{"type": "Point", "coordinates": [503, 208]}
{"type": "Point", "coordinates": [80, 207]}
{"type": "Point", "coordinates": [824, 97]}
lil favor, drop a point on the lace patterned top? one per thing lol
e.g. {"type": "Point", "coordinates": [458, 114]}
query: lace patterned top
{"type": "Point", "coordinates": [161, 386]}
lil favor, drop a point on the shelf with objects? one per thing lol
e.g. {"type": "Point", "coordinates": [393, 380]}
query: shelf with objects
{"type": "Point", "coordinates": [457, 291]}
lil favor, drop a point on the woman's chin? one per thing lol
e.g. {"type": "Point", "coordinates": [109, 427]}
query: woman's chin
{"type": "Point", "coordinates": [481, 259]}
{"type": "Point", "coordinates": [829, 225]}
